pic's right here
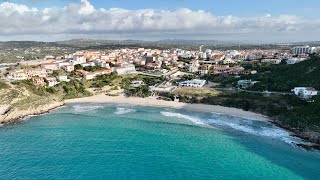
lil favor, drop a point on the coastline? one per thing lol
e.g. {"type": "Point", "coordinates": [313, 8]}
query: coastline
{"type": "Point", "coordinates": [15, 115]}
{"type": "Point", "coordinates": [151, 102]}
{"type": "Point", "coordinates": [102, 98]}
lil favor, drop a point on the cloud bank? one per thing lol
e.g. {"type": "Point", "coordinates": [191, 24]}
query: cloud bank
{"type": "Point", "coordinates": [78, 19]}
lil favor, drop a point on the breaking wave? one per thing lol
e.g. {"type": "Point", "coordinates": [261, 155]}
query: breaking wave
{"type": "Point", "coordinates": [86, 108]}
{"type": "Point", "coordinates": [271, 132]}
{"type": "Point", "coordinates": [183, 116]}
{"type": "Point", "coordinates": [249, 126]}
{"type": "Point", "coordinates": [121, 110]}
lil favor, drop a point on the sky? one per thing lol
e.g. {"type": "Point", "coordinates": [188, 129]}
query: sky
{"type": "Point", "coordinates": [227, 20]}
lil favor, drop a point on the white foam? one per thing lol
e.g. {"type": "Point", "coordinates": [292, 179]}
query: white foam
{"type": "Point", "coordinates": [227, 116]}
{"type": "Point", "coordinates": [86, 108]}
{"type": "Point", "coordinates": [183, 116]}
{"type": "Point", "coordinates": [121, 110]}
{"type": "Point", "coordinates": [272, 132]}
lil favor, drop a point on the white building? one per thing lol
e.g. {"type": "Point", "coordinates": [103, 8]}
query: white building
{"type": "Point", "coordinates": [78, 59]}
{"type": "Point", "coordinates": [125, 69]}
{"type": "Point", "coordinates": [101, 63]}
{"type": "Point", "coordinates": [271, 61]}
{"type": "Point", "coordinates": [193, 83]}
{"type": "Point", "coordinates": [194, 67]}
{"type": "Point", "coordinates": [68, 68]}
{"type": "Point", "coordinates": [244, 84]}
{"type": "Point", "coordinates": [304, 50]}
{"type": "Point", "coordinates": [52, 81]}
{"type": "Point", "coordinates": [136, 83]}
{"type": "Point", "coordinates": [295, 60]}
{"type": "Point", "coordinates": [63, 79]}
{"type": "Point", "coordinates": [305, 92]}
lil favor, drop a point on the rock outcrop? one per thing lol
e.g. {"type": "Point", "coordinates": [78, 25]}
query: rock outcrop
{"type": "Point", "coordinates": [12, 115]}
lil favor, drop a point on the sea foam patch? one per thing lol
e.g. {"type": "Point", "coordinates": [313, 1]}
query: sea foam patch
{"type": "Point", "coordinates": [183, 116]}
{"type": "Point", "coordinates": [246, 126]}
{"type": "Point", "coordinates": [86, 108]}
{"type": "Point", "coordinates": [121, 110]}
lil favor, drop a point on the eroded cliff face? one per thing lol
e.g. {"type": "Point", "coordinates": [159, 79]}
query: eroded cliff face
{"type": "Point", "coordinates": [14, 114]}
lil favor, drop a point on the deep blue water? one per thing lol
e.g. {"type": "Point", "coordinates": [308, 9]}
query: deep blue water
{"type": "Point", "coordinates": [90, 141]}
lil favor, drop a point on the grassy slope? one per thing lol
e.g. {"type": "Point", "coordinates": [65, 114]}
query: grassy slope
{"type": "Point", "coordinates": [286, 77]}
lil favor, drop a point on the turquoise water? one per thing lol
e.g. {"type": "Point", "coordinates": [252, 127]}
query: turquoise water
{"type": "Point", "coordinates": [90, 141]}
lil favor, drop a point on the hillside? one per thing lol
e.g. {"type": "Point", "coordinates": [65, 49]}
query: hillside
{"type": "Point", "coordinates": [286, 77]}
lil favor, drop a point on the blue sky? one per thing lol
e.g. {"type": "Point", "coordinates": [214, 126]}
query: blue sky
{"type": "Point", "coordinates": [231, 20]}
{"type": "Point", "coordinates": [308, 8]}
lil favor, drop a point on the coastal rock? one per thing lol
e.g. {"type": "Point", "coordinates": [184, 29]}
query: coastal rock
{"type": "Point", "coordinates": [4, 109]}
{"type": "Point", "coordinates": [13, 115]}
{"type": "Point", "coordinates": [312, 136]}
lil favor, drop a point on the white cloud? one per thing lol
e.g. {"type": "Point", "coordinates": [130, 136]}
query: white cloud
{"type": "Point", "coordinates": [82, 18]}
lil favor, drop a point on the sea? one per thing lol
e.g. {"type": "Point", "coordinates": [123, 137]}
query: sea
{"type": "Point", "coordinates": [119, 141]}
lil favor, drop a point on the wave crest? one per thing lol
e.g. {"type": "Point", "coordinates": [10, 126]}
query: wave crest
{"type": "Point", "coordinates": [271, 132]}
{"type": "Point", "coordinates": [121, 110]}
{"type": "Point", "coordinates": [86, 108]}
{"type": "Point", "coordinates": [183, 116]}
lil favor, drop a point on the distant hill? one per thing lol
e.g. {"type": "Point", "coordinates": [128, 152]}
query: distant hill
{"type": "Point", "coordinates": [27, 44]}
{"type": "Point", "coordinates": [30, 50]}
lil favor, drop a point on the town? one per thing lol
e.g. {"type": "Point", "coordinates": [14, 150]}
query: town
{"type": "Point", "coordinates": [173, 64]}
{"type": "Point", "coordinates": [162, 89]}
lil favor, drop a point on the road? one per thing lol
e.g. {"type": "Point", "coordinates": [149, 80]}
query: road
{"type": "Point", "coordinates": [257, 92]}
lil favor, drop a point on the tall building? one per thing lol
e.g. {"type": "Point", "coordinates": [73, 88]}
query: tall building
{"type": "Point", "coordinates": [303, 50]}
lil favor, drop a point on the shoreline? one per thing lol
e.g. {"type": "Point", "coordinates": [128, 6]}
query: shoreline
{"type": "Point", "coordinates": [151, 102]}
{"type": "Point", "coordinates": [15, 115]}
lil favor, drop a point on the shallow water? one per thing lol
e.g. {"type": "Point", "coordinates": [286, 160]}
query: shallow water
{"type": "Point", "coordinates": [90, 141]}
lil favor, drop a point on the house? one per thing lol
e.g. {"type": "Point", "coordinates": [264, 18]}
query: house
{"type": "Point", "coordinates": [51, 66]}
{"type": "Point", "coordinates": [101, 63]}
{"type": "Point", "coordinates": [271, 61]}
{"type": "Point", "coordinates": [204, 69]}
{"type": "Point", "coordinates": [63, 79]}
{"type": "Point", "coordinates": [38, 81]}
{"type": "Point", "coordinates": [193, 83]}
{"type": "Point", "coordinates": [61, 64]}
{"type": "Point", "coordinates": [78, 59]}
{"type": "Point", "coordinates": [136, 83]}
{"type": "Point", "coordinates": [243, 57]}
{"type": "Point", "coordinates": [244, 84]}
{"type": "Point", "coordinates": [130, 68]}
{"type": "Point", "coordinates": [52, 81]}
{"type": "Point", "coordinates": [163, 87]}
{"type": "Point", "coordinates": [68, 68]}
{"type": "Point", "coordinates": [91, 75]}
{"type": "Point", "coordinates": [153, 66]}
{"type": "Point", "coordinates": [305, 92]}
{"type": "Point", "coordinates": [17, 75]}
{"type": "Point", "coordinates": [40, 72]}
{"type": "Point", "coordinates": [194, 67]}
{"type": "Point", "coordinates": [228, 61]}
{"type": "Point", "coordinates": [85, 64]}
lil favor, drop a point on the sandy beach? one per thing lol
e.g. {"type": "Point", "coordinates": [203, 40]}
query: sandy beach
{"type": "Point", "coordinates": [102, 98]}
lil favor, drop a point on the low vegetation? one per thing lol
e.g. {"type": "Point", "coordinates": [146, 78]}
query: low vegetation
{"type": "Point", "coordinates": [285, 77]}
